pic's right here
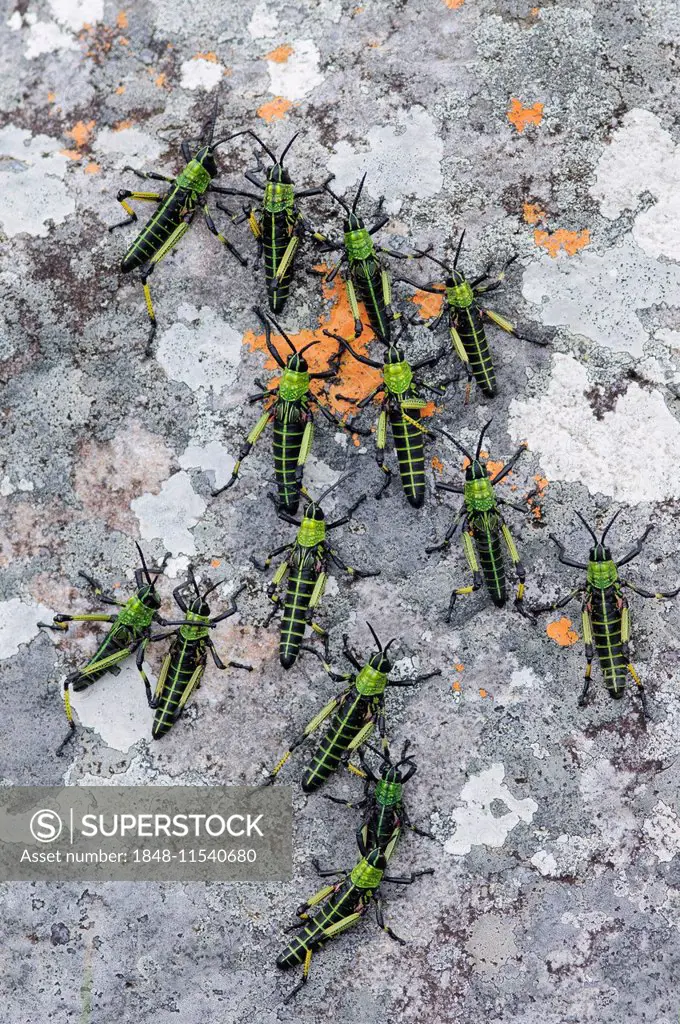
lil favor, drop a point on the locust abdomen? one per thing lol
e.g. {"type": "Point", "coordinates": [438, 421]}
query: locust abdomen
{"type": "Point", "coordinates": [468, 323]}
{"type": "Point", "coordinates": [277, 229]}
{"type": "Point", "coordinates": [409, 447]}
{"type": "Point", "coordinates": [118, 638]}
{"type": "Point", "coordinates": [490, 554]}
{"type": "Point", "coordinates": [605, 617]}
{"type": "Point", "coordinates": [301, 581]}
{"type": "Point", "coordinates": [368, 282]}
{"type": "Point", "coordinates": [346, 723]}
{"type": "Point", "coordinates": [156, 231]}
{"type": "Point", "coordinates": [185, 657]}
{"type": "Point", "coordinates": [313, 935]}
{"type": "Point", "coordinates": [288, 433]}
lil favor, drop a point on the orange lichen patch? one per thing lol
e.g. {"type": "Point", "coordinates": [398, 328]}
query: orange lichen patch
{"type": "Point", "coordinates": [120, 90]}
{"type": "Point", "coordinates": [274, 110]}
{"type": "Point", "coordinates": [428, 303]}
{"type": "Point", "coordinates": [160, 80]}
{"type": "Point", "coordinates": [81, 132]}
{"type": "Point", "coordinates": [429, 410]}
{"type": "Point", "coordinates": [534, 502]}
{"type": "Point", "coordinates": [281, 54]}
{"type": "Point", "coordinates": [212, 57]}
{"type": "Point", "coordinates": [453, 5]}
{"type": "Point", "coordinates": [122, 20]}
{"type": "Point", "coordinates": [561, 632]}
{"type": "Point", "coordinates": [533, 213]}
{"type": "Point", "coordinates": [122, 125]}
{"type": "Point", "coordinates": [459, 666]}
{"type": "Point", "coordinates": [485, 693]}
{"type": "Point", "coordinates": [216, 563]}
{"type": "Point", "coordinates": [92, 168]}
{"type": "Point", "coordinates": [72, 154]}
{"type": "Point", "coordinates": [123, 41]}
{"type": "Point", "coordinates": [51, 97]}
{"type": "Point", "coordinates": [354, 379]}
{"type": "Point", "coordinates": [356, 440]}
{"type": "Point", "coordinates": [496, 467]}
{"type": "Point", "coordinates": [456, 686]}
{"type": "Point", "coordinates": [570, 241]}
{"type": "Point", "coordinates": [535, 11]}
{"type": "Point", "coordinates": [521, 117]}
{"type": "Point", "coordinates": [437, 464]}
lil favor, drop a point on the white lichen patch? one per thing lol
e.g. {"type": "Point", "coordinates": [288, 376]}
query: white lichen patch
{"type": "Point", "coordinates": [19, 624]}
{"type": "Point", "coordinates": [403, 159]}
{"type": "Point", "coordinates": [263, 24]}
{"type": "Point", "coordinates": [663, 832]}
{"type": "Point", "coordinates": [199, 73]}
{"type": "Point", "coordinates": [298, 74]}
{"type": "Point", "coordinates": [129, 146]}
{"type": "Point", "coordinates": [31, 179]}
{"type": "Point", "coordinates": [642, 158]}
{"type": "Point", "coordinates": [171, 515]}
{"type": "Point", "coordinates": [608, 455]}
{"type": "Point", "coordinates": [202, 352]}
{"type": "Point", "coordinates": [46, 37]}
{"type": "Point", "coordinates": [116, 707]}
{"type": "Point", "coordinates": [209, 457]}
{"type": "Point", "coordinates": [76, 13]}
{"type": "Point", "coordinates": [598, 296]}
{"type": "Point", "coordinates": [476, 824]}
{"type": "Point", "coordinates": [566, 855]}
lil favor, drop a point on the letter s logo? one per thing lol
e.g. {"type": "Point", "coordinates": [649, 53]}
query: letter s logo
{"type": "Point", "coordinates": [46, 826]}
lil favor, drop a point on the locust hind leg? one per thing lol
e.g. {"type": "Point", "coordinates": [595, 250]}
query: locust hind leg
{"type": "Point", "coordinates": [69, 715]}
{"type": "Point", "coordinates": [477, 578]}
{"type": "Point", "coordinates": [380, 444]}
{"type": "Point", "coordinates": [142, 197]}
{"type": "Point", "coordinates": [518, 566]}
{"type": "Point", "coordinates": [625, 645]}
{"type": "Point", "coordinates": [587, 627]}
{"type": "Point", "coordinates": [220, 237]}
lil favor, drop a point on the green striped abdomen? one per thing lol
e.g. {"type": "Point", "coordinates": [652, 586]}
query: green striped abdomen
{"type": "Point", "coordinates": [409, 447]}
{"type": "Point", "coordinates": [157, 230]}
{"type": "Point", "coordinates": [185, 657]}
{"type": "Point", "coordinates": [301, 580]}
{"type": "Point", "coordinates": [382, 825]}
{"type": "Point", "coordinates": [490, 555]}
{"type": "Point", "coordinates": [368, 284]}
{"type": "Point", "coordinates": [118, 638]}
{"type": "Point", "coordinates": [605, 617]}
{"type": "Point", "coordinates": [468, 323]}
{"type": "Point", "coordinates": [277, 229]}
{"type": "Point", "coordinates": [289, 428]}
{"type": "Point", "coordinates": [347, 721]}
{"type": "Point", "coordinates": [348, 900]}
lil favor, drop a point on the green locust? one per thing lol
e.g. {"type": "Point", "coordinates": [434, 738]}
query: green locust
{"type": "Point", "coordinates": [306, 564]}
{"type": "Point", "coordinates": [340, 905]}
{"type": "Point", "coordinates": [401, 406]}
{"type": "Point", "coordinates": [130, 631]}
{"type": "Point", "coordinates": [605, 615]}
{"type": "Point", "coordinates": [278, 226]}
{"type": "Point", "coordinates": [290, 410]}
{"type": "Point", "coordinates": [466, 320]}
{"type": "Point", "coordinates": [368, 278]}
{"type": "Point", "coordinates": [483, 529]}
{"type": "Point", "coordinates": [187, 193]}
{"type": "Point", "coordinates": [384, 816]}
{"type": "Point", "coordinates": [184, 665]}
{"type": "Point", "coordinates": [356, 712]}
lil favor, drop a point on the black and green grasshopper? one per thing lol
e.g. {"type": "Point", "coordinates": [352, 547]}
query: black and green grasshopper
{"type": "Point", "coordinates": [307, 566]}
{"type": "Point", "coordinates": [605, 615]}
{"type": "Point", "coordinates": [483, 528]}
{"type": "Point", "coordinates": [291, 414]}
{"type": "Point", "coordinates": [385, 816]}
{"type": "Point", "coordinates": [341, 905]}
{"type": "Point", "coordinates": [357, 711]}
{"type": "Point", "coordinates": [176, 210]}
{"type": "Point", "coordinates": [280, 227]}
{"type": "Point", "coordinates": [185, 662]}
{"type": "Point", "coordinates": [368, 279]}
{"type": "Point", "coordinates": [130, 631]}
{"type": "Point", "coordinates": [465, 319]}
{"type": "Point", "coordinates": [401, 405]}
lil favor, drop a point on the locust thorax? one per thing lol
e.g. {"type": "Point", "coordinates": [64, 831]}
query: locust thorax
{"type": "Point", "coordinates": [397, 373]}
{"type": "Point", "coordinates": [198, 613]}
{"type": "Point", "coordinates": [294, 382]}
{"type": "Point", "coordinates": [358, 242]}
{"type": "Point", "coordinates": [198, 173]}
{"type": "Point", "coordinates": [478, 489]}
{"type": "Point", "coordinates": [389, 793]}
{"type": "Point", "coordinates": [140, 609]}
{"type": "Point", "coordinates": [602, 571]}
{"type": "Point", "coordinates": [312, 529]}
{"type": "Point", "coordinates": [370, 682]}
{"type": "Point", "coordinates": [458, 291]}
{"type": "Point", "coordinates": [279, 194]}
{"type": "Point", "coordinates": [369, 871]}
